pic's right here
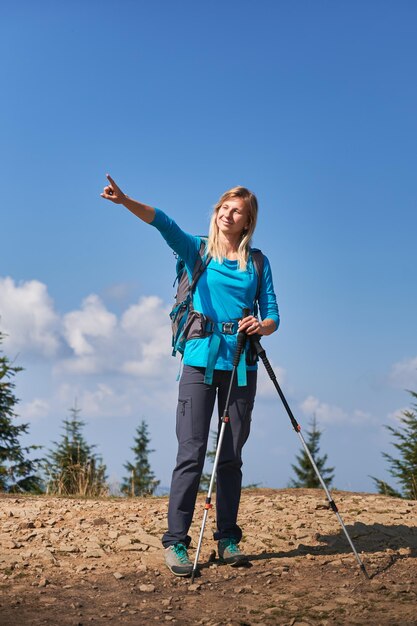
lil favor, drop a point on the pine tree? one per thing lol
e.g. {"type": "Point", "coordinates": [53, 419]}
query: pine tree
{"type": "Point", "coordinates": [403, 469]}
{"type": "Point", "coordinates": [17, 471]}
{"type": "Point", "coordinates": [306, 476]}
{"type": "Point", "coordinates": [72, 468]}
{"type": "Point", "coordinates": [141, 480]}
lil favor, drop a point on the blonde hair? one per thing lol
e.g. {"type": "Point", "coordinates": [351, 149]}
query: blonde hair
{"type": "Point", "coordinates": [214, 245]}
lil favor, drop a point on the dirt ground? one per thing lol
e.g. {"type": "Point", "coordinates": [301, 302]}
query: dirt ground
{"type": "Point", "coordinates": [76, 562]}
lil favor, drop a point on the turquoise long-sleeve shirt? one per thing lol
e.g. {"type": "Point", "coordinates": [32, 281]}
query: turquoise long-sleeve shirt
{"type": "Point", "coordinates": [221, 293]}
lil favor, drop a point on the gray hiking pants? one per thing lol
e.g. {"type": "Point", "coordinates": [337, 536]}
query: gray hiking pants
{"type": "Point", "coordinates": [195, 407]}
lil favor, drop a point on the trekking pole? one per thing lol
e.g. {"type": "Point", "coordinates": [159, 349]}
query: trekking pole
{"type": "Point", "coordinates": [241, 340]}
{"type": "Point", "coordinates": [261, 353]}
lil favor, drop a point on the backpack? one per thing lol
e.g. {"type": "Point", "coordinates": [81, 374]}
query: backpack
{"type": "Point", "coordinates": [186, 323]}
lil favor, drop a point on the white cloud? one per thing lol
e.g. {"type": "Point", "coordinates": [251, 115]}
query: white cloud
{"type": "Point", "coordinates": [100, 400]}
{"type": "Point", "coordinates": [35, 409]}
{"type": "Point", "coordinates": [362, 416]}
{"type": "Point", "coordinates": [118, 291]}
{"type": "Point", "coordinates": [137, 344]}
{"type": "Point", "coordinates": [113, 364]}
{"type": "Point", "coordinates": [109, 397]}
{"type": "Point", "coordinates": [147, 325]}
{"type": "Point", "coordinates": [404, 373]}
{"type": "Point", "coordinates": [91, 323]}
{"type": "Point", "coordinates": [27, 316]}
{"type": "Point", "coordinates": [324, 412]}
{"type": "Point", "coordinates": [330, 414]}
{"type": "Point", "coordinates": [77, 365]}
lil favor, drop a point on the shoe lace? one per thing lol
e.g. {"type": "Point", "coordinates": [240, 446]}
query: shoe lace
{"type": "Point", "coordinates": [233, 547]}
{"type": "Point", "coordinates": [181, 552]}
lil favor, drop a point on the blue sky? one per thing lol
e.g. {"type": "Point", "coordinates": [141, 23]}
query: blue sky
{"type": "Point", "coordinates": [312, 106]}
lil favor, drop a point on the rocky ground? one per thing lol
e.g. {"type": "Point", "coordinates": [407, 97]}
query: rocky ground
{"type": "Point", "coordinates": [72, 561]}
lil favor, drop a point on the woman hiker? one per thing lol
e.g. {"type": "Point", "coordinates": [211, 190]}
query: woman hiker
{"type": "Point", "coordinates": [228, 285]}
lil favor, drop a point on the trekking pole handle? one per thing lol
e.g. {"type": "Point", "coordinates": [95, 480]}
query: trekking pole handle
{"type": "Point", "coordinates": [245, 312]}
{"type": "Point", "coordinates": [241, 338]}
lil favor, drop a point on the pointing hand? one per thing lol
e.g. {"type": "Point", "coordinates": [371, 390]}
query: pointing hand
{"type": "Point", "coordinates": [113, 192]}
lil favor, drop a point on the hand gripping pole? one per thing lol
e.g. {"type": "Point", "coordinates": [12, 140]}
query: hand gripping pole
{"type": "Point", "coordinates": [256, 345]}
{"type": "Point", "coordinates": [241, 340]}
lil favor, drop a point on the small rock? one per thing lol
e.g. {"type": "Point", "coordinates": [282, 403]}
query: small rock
{"type": "Point", "coordinates": [123, 540]}
{"type": "Point", "coordinates": [194, 587]}
{"type": "Point", "coordinates": [299, 524]}
{"type": "Point", "coordinates": [118, 575]}
{"type": "Point", "coordinates": [26, 525]}
{"type": "Point", "coordinates": [70, 547]}
{"type": "Point", "coordinates": [81, 568]}
{"type": "Point", "coordinates": [142, 567]}
{"type": "Point", "coordinates": [347, 600]}
{"type": "Point", "coordinates": [150, 540]}
{"type": "Point", "coordinates": [273, 609]}
{"type": "Point", "coordinates": [134, 547]}
{"type": "Point", "coordinates": [147, 588]}
{"type": "Point", "coordinates": [76, 605]}
{"type": "Point", "coordinates": [31, 535]}
{"type": "Point", "coordinates": [43, 582]}
{"type": "Point", "coordinates": [94, 554]}
{"type": "Point", "coordinates": [326, 607]}
{"type": "Point", "coordinates": [47, 555]}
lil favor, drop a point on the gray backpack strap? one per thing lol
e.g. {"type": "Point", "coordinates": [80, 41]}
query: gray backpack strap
{"type": "Point", "coordinates": [182, 315]}
{"type": "Point", "coordinates": [200, 265]}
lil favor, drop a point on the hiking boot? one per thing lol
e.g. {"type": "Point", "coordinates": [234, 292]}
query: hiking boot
{"type": "Point", "coordinates": [176, 558]}
{"type": "Point", "coordinates": [230, 553]}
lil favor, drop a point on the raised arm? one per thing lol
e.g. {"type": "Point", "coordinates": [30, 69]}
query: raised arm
{"type": "Point", "coordinates": [113, 193]}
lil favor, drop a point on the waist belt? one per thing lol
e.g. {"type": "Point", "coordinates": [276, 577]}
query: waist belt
{"type": "Point", "coordinates": [226, 328]}
{"type": "Point", "coordinates": [216, 329]}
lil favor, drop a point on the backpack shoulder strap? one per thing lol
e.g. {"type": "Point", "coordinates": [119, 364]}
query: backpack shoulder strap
{"type": "Point", "coordinates": [200, 265]}
{"type": "Point", "coordinates": [258, 262]}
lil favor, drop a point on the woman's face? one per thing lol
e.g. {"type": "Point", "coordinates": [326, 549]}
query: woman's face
{"type": "Point", "coordinates": [232, 217]}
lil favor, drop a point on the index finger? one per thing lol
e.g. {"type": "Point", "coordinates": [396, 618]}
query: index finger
{"type": "Point", "coordinates": [109, 178]}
